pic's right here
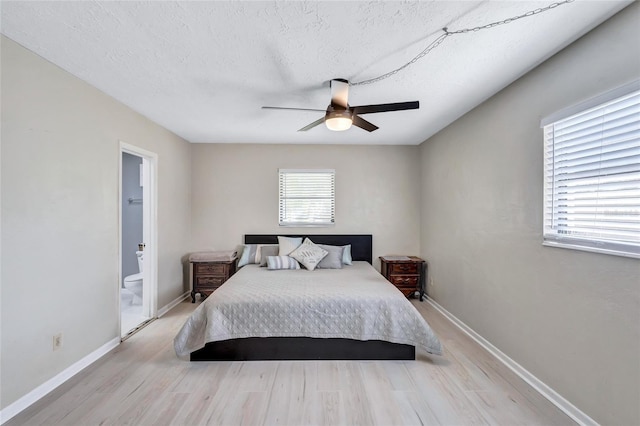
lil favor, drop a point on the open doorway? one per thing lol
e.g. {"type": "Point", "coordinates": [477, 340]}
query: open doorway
{"type": "Point", "coordinates": [138, 255]}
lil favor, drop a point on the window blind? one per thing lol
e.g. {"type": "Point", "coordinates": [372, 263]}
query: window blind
{"type": "Point", "coordinates": [592, 178]}
{"type": "Point", "coordinates": [307, 197]}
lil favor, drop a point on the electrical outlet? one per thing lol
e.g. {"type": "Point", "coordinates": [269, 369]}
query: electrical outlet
{"type": "Point", "coordinates": [431, 281]}
{"type": "Point", "coordinates": [57, 341]}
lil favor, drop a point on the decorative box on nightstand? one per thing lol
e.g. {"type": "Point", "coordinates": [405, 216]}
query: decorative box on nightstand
{"type": "Point", "coordinates": [405, 272]}
{"type": "Point", "coordinates": [208, 275]}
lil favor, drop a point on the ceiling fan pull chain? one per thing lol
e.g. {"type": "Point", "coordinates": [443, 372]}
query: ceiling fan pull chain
{"type": "Point", "coordinates": [448, 33]}
{"type": "Point", "coordinates": [428, 49]}
{"type": "Point", "coordinates": [510, 20]}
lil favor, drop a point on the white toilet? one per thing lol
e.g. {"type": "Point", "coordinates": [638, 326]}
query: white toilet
{"type": "Point", "coordinates": [133, 283]}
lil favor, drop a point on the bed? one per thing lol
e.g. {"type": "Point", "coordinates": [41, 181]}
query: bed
{"type": "Point", "coordinates": [349, 313]}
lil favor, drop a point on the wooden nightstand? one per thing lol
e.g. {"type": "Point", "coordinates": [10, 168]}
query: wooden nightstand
{"type": "Point", "coordinates": [405, 272]}
{"type": "Point", "coordinates": [208, 276]}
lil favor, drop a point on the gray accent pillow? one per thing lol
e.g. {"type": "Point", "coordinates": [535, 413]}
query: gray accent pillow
{"type": "Point", "coordinates": [266, 251]}
{"type": "Point", "coordinates": [333, 260]}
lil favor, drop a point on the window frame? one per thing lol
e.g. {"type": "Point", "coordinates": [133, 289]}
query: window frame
{"type": "Point", "coordinates": [317, 223]}
{"type": "Point", "coordinates": [551, 234]}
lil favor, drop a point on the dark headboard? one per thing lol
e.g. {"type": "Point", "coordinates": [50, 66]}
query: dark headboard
{"type": "Point", "coordinates": [361, 245]}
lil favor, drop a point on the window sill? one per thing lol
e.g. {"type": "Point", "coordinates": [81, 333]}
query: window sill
{"type": "Point", "coordinates": [591, 249]}
{"type": "Point", "coordinates": [306, 225]}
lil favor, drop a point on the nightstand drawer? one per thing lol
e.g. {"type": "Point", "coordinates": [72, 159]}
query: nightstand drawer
{"type": "Point", "coordinates": [209, 275]}
{"type": "Point", "coordinates": [210, 268]}
{"type": "Point", "coordinates": [404, 268]}
{"type": "Point", "coordinates": [404, 281]}
{"type": "Point", "coordinates": [209, 281]}
{"type": "Point", "coordinates": [407, 273]}
{"type": "Point", "coordinates": [407, 291]}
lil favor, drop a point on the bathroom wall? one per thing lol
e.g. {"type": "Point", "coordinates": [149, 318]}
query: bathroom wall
{"type": "Point", "coordinates": [131, 213]}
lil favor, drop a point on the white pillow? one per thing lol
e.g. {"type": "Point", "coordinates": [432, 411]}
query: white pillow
{"type": "Point", "coordinates": [309, 254]}
{"type": "Point", "coordinates": [288, 244]}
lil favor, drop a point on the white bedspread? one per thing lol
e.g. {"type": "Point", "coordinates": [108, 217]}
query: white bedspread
{"type": "Point", "coordinates": [355, 302]}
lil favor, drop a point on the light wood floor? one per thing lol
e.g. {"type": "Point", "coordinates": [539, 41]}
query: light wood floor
{"type": "Point", "coordinates": [141, 382]}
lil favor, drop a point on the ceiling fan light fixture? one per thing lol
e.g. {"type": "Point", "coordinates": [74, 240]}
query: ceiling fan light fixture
{"type": "Point", "coordinates": [338, 120]}
{"type": "Point", "coordinates": [340, 116]}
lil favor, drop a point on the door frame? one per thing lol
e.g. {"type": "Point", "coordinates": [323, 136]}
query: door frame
{"type": "Point", "coordinates": [149, 232]}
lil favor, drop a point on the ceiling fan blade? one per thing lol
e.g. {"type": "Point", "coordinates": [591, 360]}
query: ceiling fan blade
{"type": "Point", "coordinates": [312, 125]}
{"type": "Point", "coordinates": [340, 92]}
{"type": "Point", "coordinates": [294, 109]}
{"type": "Point", "coordinates": [364, 124]}
{"type": "Point", "coordinates": [398, 106]}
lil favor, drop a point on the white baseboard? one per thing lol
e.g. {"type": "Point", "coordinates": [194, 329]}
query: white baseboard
{"type": "Point", "coordinates": [166, 308]}
{"type": "Point", "coordinates": [567, 407]}
{"type": "Point", "coordinates": [554, 397]}
{"type": "Point", "coordinates": [32, 397]}
{"type": "Point", "coordinates": [23, 403]}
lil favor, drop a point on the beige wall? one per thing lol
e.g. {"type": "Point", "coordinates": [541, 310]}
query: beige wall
{"type": "Point", "coordinates": [571, 318]}
{"type": "Point", "coordinates": [235, 192]}
{"type": "Point", "coordinates": [60, 159]}
{"type": "Point", "coordinates": [469, 200]}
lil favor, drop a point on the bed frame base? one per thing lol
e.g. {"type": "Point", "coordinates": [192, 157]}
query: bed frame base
{"type": "Point", "coordinates": [302, 348]}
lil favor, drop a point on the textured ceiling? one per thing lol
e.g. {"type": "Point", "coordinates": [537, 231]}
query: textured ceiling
{"type": "Point", "coordinates": [204, 69]}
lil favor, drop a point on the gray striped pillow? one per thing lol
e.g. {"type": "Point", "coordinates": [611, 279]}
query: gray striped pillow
{"type": "Point", "coordinates": [253, 253]}
{"type": "Point", "coordinates": [282, 262]}
{"type": "Point", "coordinates": [248, 255]}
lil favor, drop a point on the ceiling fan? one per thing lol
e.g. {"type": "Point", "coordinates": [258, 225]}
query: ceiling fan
{"type": "Point", "coordinates": [340, 115]}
